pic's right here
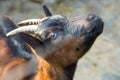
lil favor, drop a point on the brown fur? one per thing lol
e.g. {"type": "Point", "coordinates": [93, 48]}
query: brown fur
{"type": "Point", "coordinates": [59, 65]}
{"type": "Point", "coordinates": [13, 64]}
{"type": "Point", "coordinates": [52, 67]}
{"type": "Point", "coordinates": [7, 60]}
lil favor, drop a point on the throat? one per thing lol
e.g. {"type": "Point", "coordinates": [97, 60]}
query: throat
{"type": "Point", "coordinates": [49, 71]}
{"type": "Point", "coordinates": [70, 70]}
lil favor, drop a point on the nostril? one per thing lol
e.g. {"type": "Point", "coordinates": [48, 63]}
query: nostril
{"type": "Point", "coordinates": [97, 18]}
{"type": "Point", "coordinates": [91, 17]}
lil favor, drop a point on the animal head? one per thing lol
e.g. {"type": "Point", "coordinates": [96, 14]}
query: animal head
{"type": "Point", "coordinates": [56, 31]}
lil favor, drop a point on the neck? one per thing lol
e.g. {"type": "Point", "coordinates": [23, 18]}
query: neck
{"type": "Point", "coordinates": [58, 66]}
{"type": "Point", "coordinates": [49, 71]}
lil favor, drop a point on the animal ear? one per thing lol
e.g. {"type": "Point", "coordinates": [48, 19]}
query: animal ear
{"type": "Point", "coordinates": [15, 43]}
{"type": "Point", "coordinates": [47, 11]}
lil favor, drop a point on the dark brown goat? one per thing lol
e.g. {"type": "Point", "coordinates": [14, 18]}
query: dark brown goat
{"type": "Point", "coordinates": [58, 44]}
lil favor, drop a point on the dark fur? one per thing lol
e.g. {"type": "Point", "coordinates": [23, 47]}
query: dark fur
{"type": "Point", "coordinates": [70, 70]}
{"type": "Point", "coordinates": [18, 51]}
{"type": "Point", "coordinates": [61, 63]}
{"type": "Point", "coordinates": [47, 11]}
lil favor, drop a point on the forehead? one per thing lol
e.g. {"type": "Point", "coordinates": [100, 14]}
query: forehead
{"type": "Point", "coordinates": [57, 17]}
{"type": "Point", "coordinates": [55, 20]}
{"type": "Point", "coordinates": [52, 22]}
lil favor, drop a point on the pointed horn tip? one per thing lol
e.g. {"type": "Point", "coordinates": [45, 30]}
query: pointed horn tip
{"type": "Point", "coordinates": [20, 24]}
{"type": "Point", "coordinates": [44, 5]}
{"type": "Point", "coordinates": [8, 34]}
{"type": "Point", "coordinates": [11, 33]}
{"type": "Point", "coordinates": [47, 11]}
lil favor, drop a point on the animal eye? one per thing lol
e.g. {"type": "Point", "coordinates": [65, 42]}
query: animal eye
{"type": "Point", "coordinates": [53, 35]}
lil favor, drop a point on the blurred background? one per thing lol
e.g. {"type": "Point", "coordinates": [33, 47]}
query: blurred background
{"type": "Point", "coordinates": [102, 62]}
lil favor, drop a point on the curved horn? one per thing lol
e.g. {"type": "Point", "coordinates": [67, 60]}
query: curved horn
{"type": "Point", "coordinates": [30, 28]}
{"type": "Point", "coordinates": [47, 11]}
{"type": "Point", "coordinates": [31, 22]}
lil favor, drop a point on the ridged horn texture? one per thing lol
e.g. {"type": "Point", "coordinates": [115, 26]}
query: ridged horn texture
{"type": "Point", "coordinates": [47, 11]}
{"type": "Point", "coordinates": [31, 22]}
{"type": "Point", "coordinates": [29, 28]}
